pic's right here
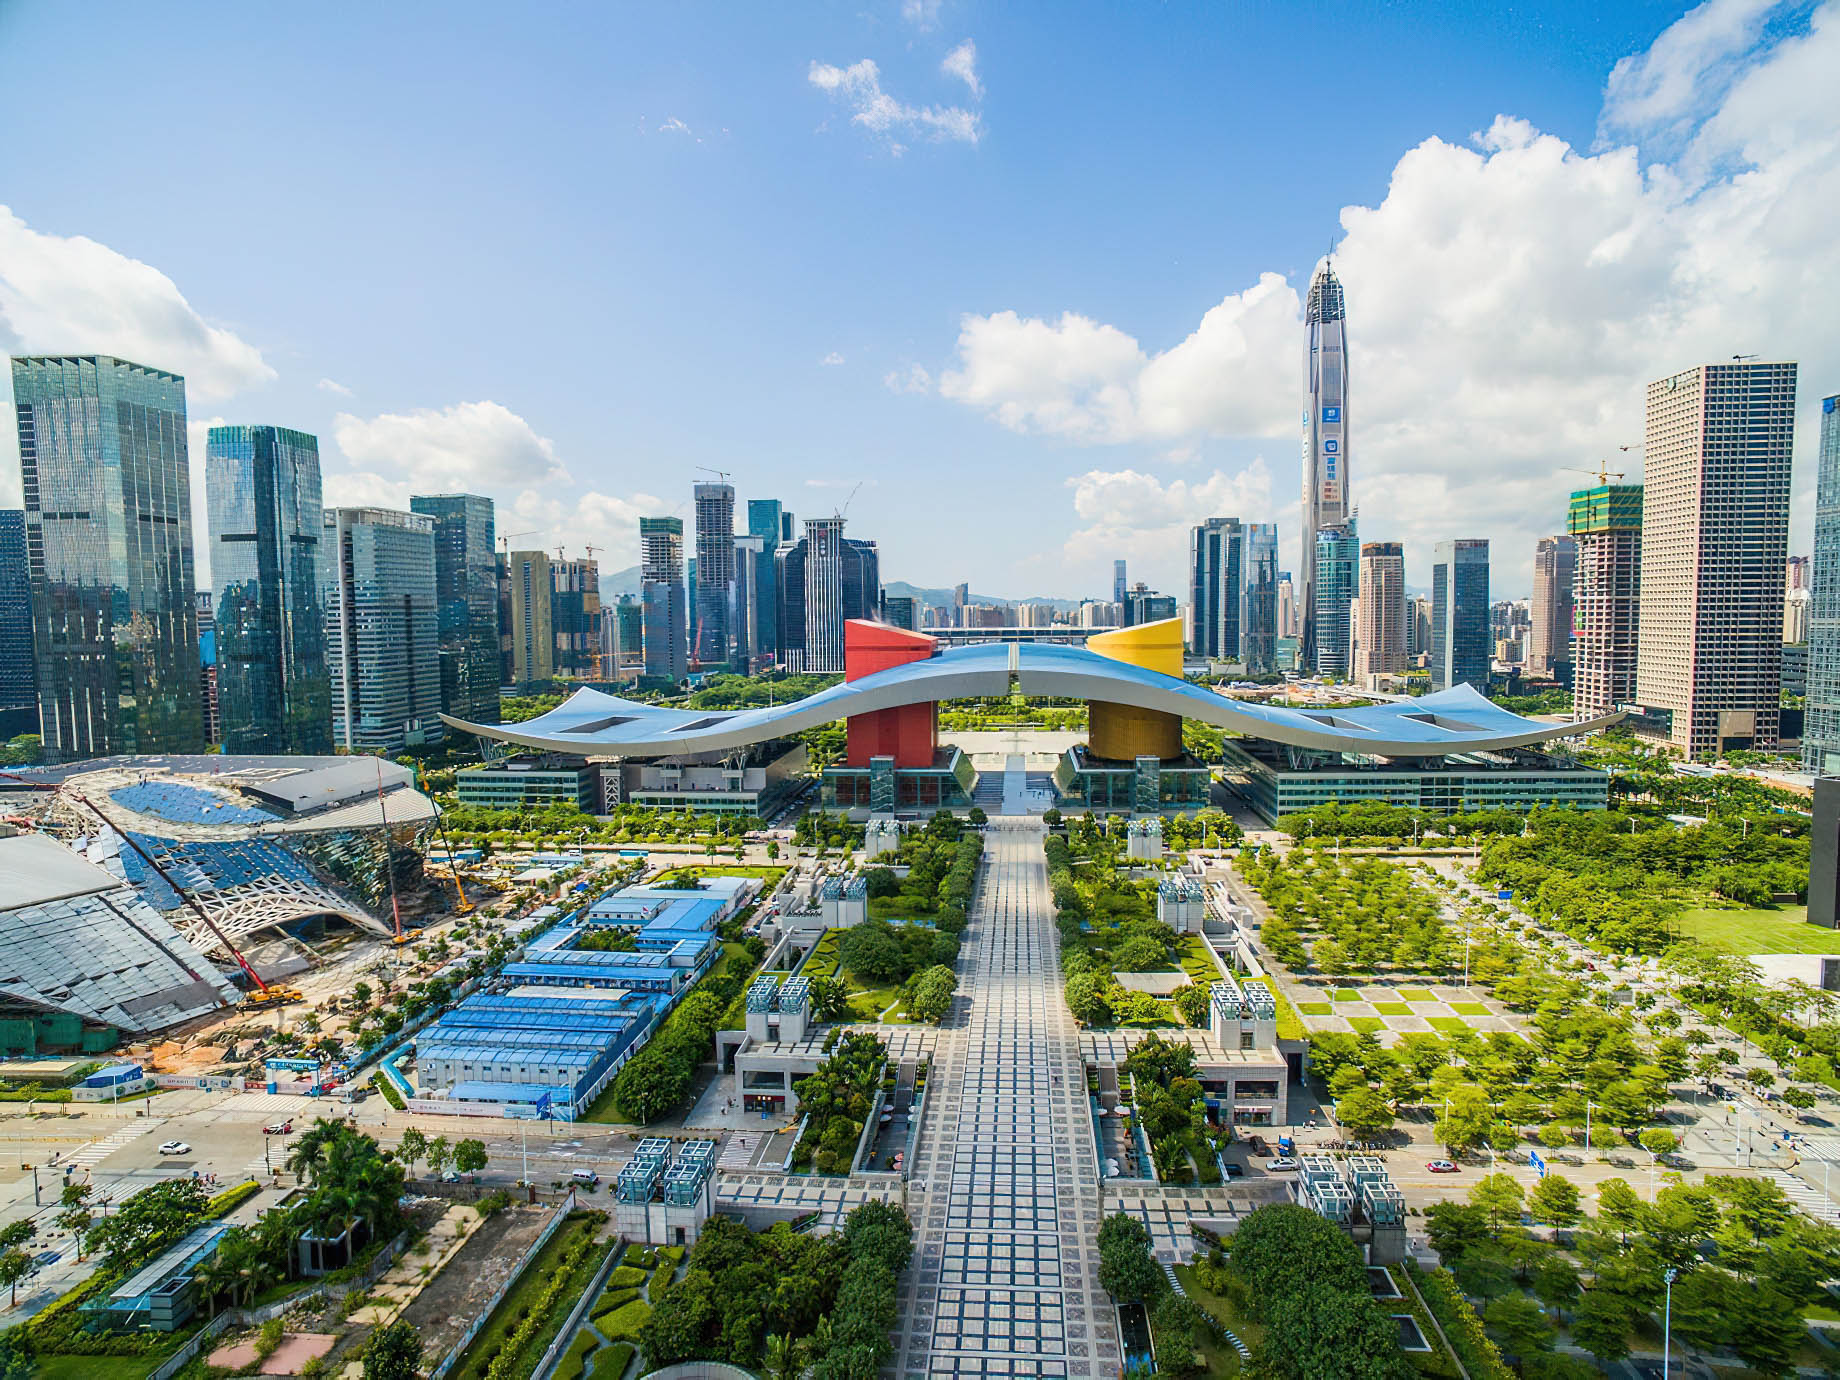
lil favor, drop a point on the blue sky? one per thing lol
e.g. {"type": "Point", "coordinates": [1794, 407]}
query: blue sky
{"type": "Point", "coordinates": [568, 255]}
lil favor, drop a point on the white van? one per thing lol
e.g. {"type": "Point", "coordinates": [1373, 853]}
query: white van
{"type": "Point", "coordinates": [585, 1176]}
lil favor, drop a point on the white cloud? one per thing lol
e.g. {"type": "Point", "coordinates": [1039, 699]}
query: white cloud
{"type": "Point", "coordinates": [1686, 70]}
{"type": "Point", "coordinates": [333, 386]}
{"type": "Point", "coordinates": [860, 87]}
{"type": "Point", "coordinates": [922, 14]}
{"type": "Point", "coordinates": [912, 379]}
{"type": "Point", "coordinates": [1137, 516]}
{"type": "Point", "coordinates": [610, 524]}
{"type": "Point", "coordinates": [475, 446]}
{"type": "Point", "coordinates": [961, 62]}
{"type": "Point", "coordinates": [832, 358]}
{"type": "Point", "coordinates": [363, 489]}
{"type": "Point", "coordinates": [1507, 301]}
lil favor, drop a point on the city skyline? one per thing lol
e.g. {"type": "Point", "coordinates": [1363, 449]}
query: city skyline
{"type": "Point", "coordinates": [1477, 411]}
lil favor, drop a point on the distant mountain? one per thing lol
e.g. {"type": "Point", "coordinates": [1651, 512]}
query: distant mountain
{"type": "Point", "coordinates": [942, 598]}
{"type": "Point", "coordinates": [617, 582]}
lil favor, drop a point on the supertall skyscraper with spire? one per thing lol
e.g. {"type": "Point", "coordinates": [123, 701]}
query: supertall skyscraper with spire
{"type": "Point", "coordinates": [1327, 501]}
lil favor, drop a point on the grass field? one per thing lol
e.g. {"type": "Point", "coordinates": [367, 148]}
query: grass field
{"type": "Point", "coordinates": [1345, 994]}
{"type": "Point", "coordinates": [1316, 1008]}
{"type": "Point", "coordinates": [1469, 1008]}
{"type": "Point", "coordinates": [1778, 930]}
{"type": "Point", "coordinates": [1361, 1025]}
{"type": "Point", "coordinates": [1392, 1008]}
{"type": "Point", "coordinates": [1447, 1025]}
{"type": "Point", "coordinates": [1415, 994]}
{"type": "Point", "coordinates": [94, 1367]}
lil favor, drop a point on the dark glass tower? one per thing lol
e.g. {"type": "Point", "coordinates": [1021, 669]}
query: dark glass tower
{"type": "Point", "coordinates": [466, 588]}
{"type": "Point", "coordinates": [274, 691]}
{"type": "Point", "coordinates": [713, 583]}
{"type": "Point", "coordinates": [1216, 561]}
{"type": "Point", "coordinates": [108, 503]}
{"type": "Point", "coordinates": [1327, 502]}
{"type": "Point", "coordinates": [1821, 731]}
{"type": "Point", "coordinates": [768, 520]}
{"type": "Point", "coordinates": [1460, 614]}
{"type": "Point", "coordinates": [18, 682]}
{"type": "Point", "coordinates": [1337, 572]}
{"type": "Point", "coordinates": [1259, 616]}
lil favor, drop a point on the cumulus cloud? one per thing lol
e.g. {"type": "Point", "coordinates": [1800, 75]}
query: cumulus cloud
{"type": "Point", "coordinates": [1138, 516]}
{"type": "Point", "coordinates": [922, 14]}
{"type": "Point", "coordinates": [333, 386]}
{"type": "Point", "coordinates": [859, 86]}
{"type": "Point", "coordinates": [1508, 299]}
{"type": "Point", "coordinates": [608, 522]}
{"type": "Point", "coordinates": [961, 62]}
{"type": "Point", "coordinates": [832, 358]}
{"type": "Point", "coordinates": [474, 445]}
{"type": "Point", "coordinates": [913, 379]}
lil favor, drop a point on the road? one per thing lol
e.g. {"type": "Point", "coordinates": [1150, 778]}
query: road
{"type": "Point", "coordinates": [1005, 1193]}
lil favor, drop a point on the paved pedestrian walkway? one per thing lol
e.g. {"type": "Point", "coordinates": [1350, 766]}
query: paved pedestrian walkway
{"type": "Point", "coordinates": [1005, 1192]}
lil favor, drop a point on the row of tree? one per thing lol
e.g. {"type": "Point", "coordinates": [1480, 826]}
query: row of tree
{"type": "Point", "coordinates": [659, 1077]}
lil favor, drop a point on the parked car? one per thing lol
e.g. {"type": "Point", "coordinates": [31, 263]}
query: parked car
{"type": "Point", "coordinates": [1441, 1167]}
{"type": "Point", "coordinates": [1234, 1169]}
{"type": "Point", "coordinates": [1284, 1164]}
{"type": "Point", "coordinates": [279, 1128]}
{"type": "Point", "coordinates": [1259, 1147]}
{"type": "Point", "coordinates": [175, 1147]}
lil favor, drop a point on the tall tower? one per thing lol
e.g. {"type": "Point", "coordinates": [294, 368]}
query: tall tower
{"type": "Point", "coordinates": [1259, 628]}
{"type": "Point", "coordinates": [1549, 643]}
{"type": "Point", "coordinates": [715, 572]}
{"type": "Point", "coordinates": [18, 682]}
{"type": "Point", "coordinates": [274, 691]}
{"type": "Point", "coordinates": [767, 520]}
{"type": "Point", "coordinates": [1118, 582]}
{"type": "Point", "coordinates": [1337, 573]}
{"type": "Point", "coordinates": [661, 589]}
{"type": "Point", "coordinates": [466, 580]}
{"type": "Point", "coordinates": [102, 458]}
{"type": "Point", "coordinates": [1216, 558]}
{"type": "Point", "coordinates": [1606, 524]}
{"type": "Point", "coordinates": [1382, 633]}
{"type": "Point", "coordinates": [1821, 731]}
{"type": "Point", "coordinates": [1326, 496]}
{"type": "Point", "coordinates": [824, 615]}
{"type": "Point", "coordinates": [1715, 539]}
{"type": "Point", "coordinates": [382, 629]}
{"type": "Point", "coordinates": [1460, 614]}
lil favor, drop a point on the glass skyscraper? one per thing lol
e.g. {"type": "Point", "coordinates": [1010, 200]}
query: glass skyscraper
{"type": "Point", "coordinates": [661, 590]}
{"type": "Point", "coordinates": [18, 682]}
{"type": "Point", "coordinates": [714, 639]}
{"type": "Point", "coordinates": [102, 452]}
{"type": "Point", "coordinates": [1327, 500]}
{"type": "Point", "coordinates": [1337, 576]}
{"type": "Point", "coordinates": [1258, 623]}
{"type": "Point", "coordinates": [1821, 728]}
{"type": "Point", "coordinates": [274, 693]}
{"type": "Point", "coordinates": [466, 587]}
{"type": "Point", "coordinates": [1216, 557]}
{"type": "Point", "coordinates": [768, 520]}
{"type": "Point", "coordinates": [1460, 614]}
{"type": "Point", "coordinates": [382, 629]}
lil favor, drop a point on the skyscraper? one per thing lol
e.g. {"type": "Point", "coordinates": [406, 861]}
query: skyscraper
{"type": "Point", "coordinates": [661, 589]}
{"type": "Point", "coordinates": [1715, 537]}
{"type": "Point", "coordinates": [1606, 523]}
{"type": "Point", "coordinates": [382, 629]}
{"type": "Point", "coordinates": [1460, 615]}
{"type": "Point", "coordinates": [1327, 500]}
{"type": "Point", "coordinates": [715, 572]}
{"type": "Point", "coordinates": [1118, 582]}
{"type": "Point", "coordinates": [1549, 646]}
{"type": "Point", "coordinates": [1821, 728]}
{"type": "Point", "coordinates": [274, 688]}
{"type": "Point", "coordinates": [898, 612]}
{"type": "Point", "coordinates": [533, 628]}
{"type": "Point", "coordinates": [1337, 575]}
{"type": "Point", "coordinates": [575, 616]}
{"type": "Point", "coordinates": [18, 681]}
{"type": "Point", "coordinates": [466, 584]}
{"type": "Point", "coordinates": [207, 668]}
{"type": "Point", "coordinates": [1216, 560]}
{"type": "Point", "coordinates": [744, 605]}
{"type": "Point", "coordinates": [823, 580]}
{"type": "Point", "coordinates": [824, 612]}
{"type": "Point", "coordinates": [1258, 622]}
{"type": "Point", "coordinates": [1287, 605]}
{"type": "Point", "coordinates": [102, 454]}
{"type": "Point", "coordinates": [768, 520]}
{"type": "Point", "coordinates": [1382, 633]}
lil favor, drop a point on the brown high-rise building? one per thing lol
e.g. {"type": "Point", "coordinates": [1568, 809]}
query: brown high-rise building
{"type": "Point", "coordinates": [1381, 632]}
{"type": "Point", "coordinates": [1549, 641]}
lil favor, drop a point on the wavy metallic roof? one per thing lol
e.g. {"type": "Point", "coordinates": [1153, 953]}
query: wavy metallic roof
{"type": "Point", "coordinates": [595, 724]}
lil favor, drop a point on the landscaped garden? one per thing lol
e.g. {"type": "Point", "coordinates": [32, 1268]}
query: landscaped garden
{"type": "Point", "coordinates": [836, 1101]}
{"type": "Point", "coordinates": [876, 971]}
{"type": "Point", "coordinates": [1108, 925]}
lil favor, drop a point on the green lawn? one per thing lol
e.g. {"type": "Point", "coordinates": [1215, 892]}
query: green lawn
{"type": "Point", "coordinates": [1345, 994]}
{"type": "Point", "coordinates": [1469, 1008]}
{"type": "Point", "coordinates": [1777, 930]}
{"type": "Point", "coordinates": [1316, 1008]}
{"type": "Point", "coordinates": [1361, 1025]}
{"type": "Point", "coordinates": [1221, 1358]}
{"type": "Point", "coordinates": [94, 1367]}
{"type": "Point", "coordinates": [1448, 1025]}
{"type": "Point", "coordinates": [1415, 994]}
{"type": "Point", "coordinates": [1392, 1008]}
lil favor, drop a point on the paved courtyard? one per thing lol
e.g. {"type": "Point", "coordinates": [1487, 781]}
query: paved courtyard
{"type": "Point", "coordinates": [1005, 1191]}
{"type": "Point", "coordinates": [1402, 1010]}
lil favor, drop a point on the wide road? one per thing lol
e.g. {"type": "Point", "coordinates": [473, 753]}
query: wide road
{"type": "Point", "coordinates": [1005, 1189]}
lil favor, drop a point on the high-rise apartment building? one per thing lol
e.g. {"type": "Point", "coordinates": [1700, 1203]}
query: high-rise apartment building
{"type": "Point", "coordinates": [1799, 572]}
{"type": "Point", "coordinates": [661, 590]}
{"type": "Point", "coordinates": [823, 580]}
{"type": "Point", "coordinates": [1606, 524]}
{"type": "Point", "coordinates": [466, 585]}
{"type": "Point", "coordinates": [529, 578]}
{"type": "Point", "coordinates": [107, 485]}
{"type": "Point", "coordinates": [382, 628]}
{"type": "Point", "coordinates": [713, 637]}
{"type": "Point", "coordinates": [1337, 576]}
{"type": "Point", "coordinates": [18, 681]}
{"type": "Point", "coordinates": [1821, 728]}
{"type": "Point", "coordinates": [1287, 605]}
{"type": "Point", "coordinates": [623, 639]}
{"type": "Point", "coordinates": [768, 520]}
{"type": "Point", "coordinates": [1418, 626]}
{"type": "Point", "coordinates": [1258, 622]}
{"type": "Point", "coordinates": [1460, 642]}
{"type": "Point", "coordinates": [1216, 560]}
{"type": "Point", "coordinates": [1549, 644]}
{"type": "Point", "coordinates": [1381, 635]}
{"type": "Point", "coordinates": [898, 612]}
{"type": "Point", "coordinates": [1327, 498]}
{"type": "Point", "coordinates": [575, 617]}
{"type": "Point", "coordinates": [262, 492]}
{"type": "Point", "coordinates": [1715, 534]}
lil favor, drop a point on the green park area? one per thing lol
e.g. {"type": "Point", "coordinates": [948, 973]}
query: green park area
{"type": "Point", "coordinates": [1772, 930]}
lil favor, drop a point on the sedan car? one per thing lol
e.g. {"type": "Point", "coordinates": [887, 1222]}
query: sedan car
{"type": "Point", "coordinates": [1441, 1167]}
{"type": "Point", "coordinates": [175, 1147]}
{"type": "Point", "coordinates": [1284, 1164]}
{"type": "Point", "coordinates": [1235, 1170]}
{"type": "Point", "coordinates": [279, 1128]}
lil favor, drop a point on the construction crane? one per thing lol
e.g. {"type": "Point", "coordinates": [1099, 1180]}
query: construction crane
{"type": "Point", "coordinates": [1603, 473]}
{"type": "Point", "coordinates": [719, 474]}
{"type": "Point", "coordinates": [504, 542]}
{"type": "Point", "coordinates": [389, 861]}
{"type": "Point", "coordinates": [261, 993]}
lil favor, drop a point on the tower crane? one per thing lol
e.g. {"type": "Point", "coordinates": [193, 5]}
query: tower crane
{"type": "Point", "coordinates": [504, 542]}
{"type": "Point", "coordinates": [719, 474]}
{"type": "Point", "coordinates": [1603, 473]}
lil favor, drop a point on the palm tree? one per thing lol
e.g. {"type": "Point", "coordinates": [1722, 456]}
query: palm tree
{"type": "Point", "coordinates": [785, 1357]}
{"type": "Point", "coordinates": [307, 1156]}
{"type": "Point", "coordinates": [216, 1274]}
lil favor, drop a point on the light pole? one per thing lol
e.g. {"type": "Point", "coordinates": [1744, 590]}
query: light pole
{"type": "Point", "coordinates": [1667, 1323]}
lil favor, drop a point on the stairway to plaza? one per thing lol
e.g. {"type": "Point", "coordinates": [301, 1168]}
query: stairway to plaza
{"type": "Point", "coordinates": [1005, 1187]}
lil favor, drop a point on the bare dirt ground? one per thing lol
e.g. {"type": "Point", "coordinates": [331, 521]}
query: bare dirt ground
{"type": "Point", "coordinates": [460, 1292]}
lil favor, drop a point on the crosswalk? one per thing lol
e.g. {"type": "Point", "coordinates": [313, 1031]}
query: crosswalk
{"type": "Point", "coordinates": [99, 1150]}
{"type": "Point", "coordinates": [738, 1153]}
{"type": "Point", "coordinates": [1806, 1197]}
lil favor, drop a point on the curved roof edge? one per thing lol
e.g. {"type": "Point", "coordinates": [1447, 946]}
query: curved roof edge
{"type": "Point", "coordinates": [592, 723]}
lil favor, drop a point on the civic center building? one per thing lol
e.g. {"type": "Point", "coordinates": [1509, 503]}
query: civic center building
{"type": "Point", "coordinates": [1446, 752]}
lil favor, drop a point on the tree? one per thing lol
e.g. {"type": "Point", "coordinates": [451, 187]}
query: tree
{"type": "Point", "coordinates": [1658, 1140]}
{"type": "Point", "coordinates": [1453, 1229]}
{"type": "Point", "coordinates": [1555, 1283]}
{"type": "Point", "coordinates": [976, 817]}
{"type": "Point", "coordinates": [439, 1153]}
{"type": "Point", "coordinates": [1499, 1197]}
{"type": "Point", "coordinates": [1194, 1003]}
{"type": "Point", "coordinates": [1176, 1321]}
{"type": "Point", "coordinates": [1619, 1205]}
{"type": "Point", "coordinates": [1320, 1329]}
{"type": "Point", "coordinates": [470, 1156]}
{"type": "Point", "coordinates": [1364, 1112]}
{"type": "Point", "coordinates": [1086, 998]}
{"type": "Point", "coordinates": [1518, 1324]}
{"type": "Point", "coordinates": [15, 1265]}
{"type": "Point", "coordinates": [785, 1357]}
{"type": "Point", "coordinates": [1601, 1325]}
{"type": "Point", "coordinates": [1127, 1269]}
{"type": "Point", "coordinates": [829, 998]}
{"type": "Point", "coordinates": [393, 1352]}
{"type": "Point", "coordinates": [412, 1147]}
{"type": "Point", "coordinates": [931, 997]}
{"type": "Point", "coordinates": [1555, 1200]}
{"type": "Point", "coordinates": [1799, 1098]}
{"type": "Point", "coordinates": [74, 1215]}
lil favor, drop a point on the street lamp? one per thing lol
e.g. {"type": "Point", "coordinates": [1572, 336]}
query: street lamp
{"type": "Point", "coordinates": [1667, 1323]}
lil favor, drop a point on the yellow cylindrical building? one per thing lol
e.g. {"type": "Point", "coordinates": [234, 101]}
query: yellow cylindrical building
{"type": "Point", "coordinates": [1122, 733]}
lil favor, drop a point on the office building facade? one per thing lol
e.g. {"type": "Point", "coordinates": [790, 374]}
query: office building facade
{"type": "Point", "coordinates": [527, 577]}
{"type": "Point", "coordinates": [1605, 522]}
{"type": "Point", "coordinates": [1460, 615]}
{"type": "Point", "coordinates": [575, 617]}
{"type": "Point", "coordinates": [274, 688]}
{"type": "Point", "coordinates": [1382, 632]}
{"type": "Point", "coordinates": [107, 487]}
{"type": "Point", "coordinates": [661, 590]}
{"type": "Point", "coordinates": [466, 586]}
{"type": "Point", "coordinates": [1718, 444]}
{"type": "Point", "coordinates": [1258, 622]}
{"type": "Point", "coordinates": [1549, 643]}
{"type": "Point", "coordinates": [1328, 502]}
{"type": "Point", "coordinates": [713, 637]}
{"type": "Point", "coordinates": [823, 580]}
{"type": "Point", "coordinates": [382, 629]}
{"type": "Point", "coordinates": [1821, 726]}
{"type": "Point", "coordinates": [744, 606]}
{"type": "Point", "coordinates": [1337, 578]}
{"type": "Point", "coordinates": [18, 679]}
{"type": "Point", "coordinates": [1119, 583]}
{"type": "Point", "coordinates": [772, 524]}
{"type": "Point", "coordinates": [1216, 560]}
